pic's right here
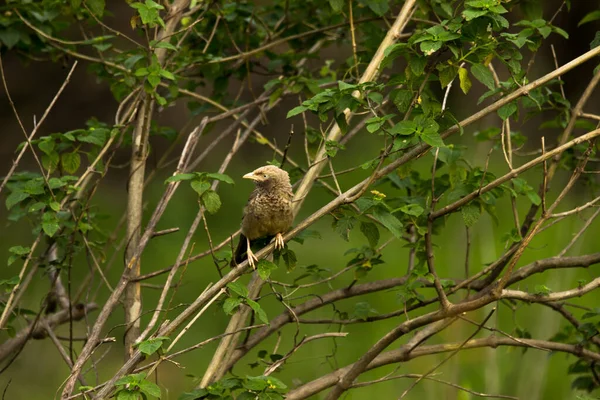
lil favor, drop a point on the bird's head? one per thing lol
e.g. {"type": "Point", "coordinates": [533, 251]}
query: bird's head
{"type": "Point", "coordinates": [269, 176]}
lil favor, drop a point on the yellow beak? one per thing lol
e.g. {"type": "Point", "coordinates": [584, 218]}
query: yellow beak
{"type": "Point", "coordinates": [250, 175]}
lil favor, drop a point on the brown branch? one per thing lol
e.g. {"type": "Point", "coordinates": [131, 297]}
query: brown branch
{"type": "Point", "coordinates": [400, 355]}
{"type": "Point", "coordinates": [38, 330]}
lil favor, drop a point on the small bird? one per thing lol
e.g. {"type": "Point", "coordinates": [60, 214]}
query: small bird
{"type": "Point", "coordinates": [268, 212]}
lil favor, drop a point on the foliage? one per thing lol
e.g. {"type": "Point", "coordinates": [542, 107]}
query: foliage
{"type": "Point", "coordinates": [402, 95]}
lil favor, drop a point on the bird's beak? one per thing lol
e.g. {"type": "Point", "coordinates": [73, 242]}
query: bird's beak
{"type": "Point", "coordinates": [250, 175]}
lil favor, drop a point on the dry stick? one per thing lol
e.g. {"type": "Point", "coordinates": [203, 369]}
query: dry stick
{"type": "Point", "coordinates": [132, 302]}
{"type": "Point", "coordinates": [39, 329]}
{"type": "Point", "coordinates": [9, 306]}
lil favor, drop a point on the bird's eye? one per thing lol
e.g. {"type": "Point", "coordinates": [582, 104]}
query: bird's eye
{"type": "Point", "coordinates": [264, 176]}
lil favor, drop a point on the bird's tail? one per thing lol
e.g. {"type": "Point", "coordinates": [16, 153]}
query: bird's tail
{"type": "Point", "coordinates": [240, 252]}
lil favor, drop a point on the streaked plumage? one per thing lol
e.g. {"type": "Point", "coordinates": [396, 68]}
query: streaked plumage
{"type": "Point", "coordinates": [268, 212]}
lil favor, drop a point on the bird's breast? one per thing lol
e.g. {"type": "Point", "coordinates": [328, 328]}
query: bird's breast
{"type": "Point", "coordinates": [267, 215]}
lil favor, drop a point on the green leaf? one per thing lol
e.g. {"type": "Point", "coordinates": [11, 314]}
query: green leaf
{"type": "Point", "coordinates": [70, 162]}
{"type": "Point", "coordinates": [296, 111]}
{"type": "Point", "coordinates": [180, 177]}
{"type": "Point", "coordinates": [388, 220]}
{"type": "Point", "coordinates": [260, 313]}
{"type": "Point", "coordinates": [128, 394]}
{"type": "Point", "coordinates": [50, 161]}
{"type": "Point", "coordinates": [163, 45]}
{"type": "Point", "coordinates": [403, 99]}
{"type": "Point", "coordinates": [471, 213]}
{"type": "Point", "coordinates": [433, 139]}
{"type": "Point", "coordinates": [362, 310]}
{"type": "Point", "coordinates": [483, 75]}
{"type": "Point", "coordinates": [238, 288]}
{"type": "Point", "coordinates": [150, 346]}
{"type": "Point", "coordinates": [379, 7]}
{"type": "Point", "coordinates": [371, 232]}
{"type": "Point", "coordinates": [96, 6]}
{"type": "Point", "coordinates": [10, 283]}
{"type": "Point", "coordinates": [465, 82]}
{"type": "Point", "coordinates": [19, 250]}
{"type": "Point", "coordinates": [404, 128]}
{"type": "Point", "coordinates": [290, 260]}
{"type": "Point", "coordinates": [336, 5]}
{"type": "Point", "coordinates": [193, 395]}
{"type": "Point", "coordinates": [200, 186]}
{"type": "Point", "coordinates": [589, 17]}
{"type": "Point", "coordinates": [596, 42]}
{"type": "Point", "coordinates": [55, 183]}
{"type": "Point", "coordinates": [211, 201]}
{"type": "Point", "coordinates": [167, 75]}
{"type": "Point", "coordinates": [507, 110]}
{"type": "Point", "coordinates": [50, 223]}
{"type": "Point", "coordinates": [534, 197]}
{"type": "Point", "coordinates": [541, 290]}
{"type": "Point", "coordinates": [265, 267]}
{"type": "Point", "coordinates": [220, 177]}
{"type": "Point", "coordinates": [343, 226]}
{"type": "Point", "coordinates": [95, 136]}
{"type": "Point", "coordinates": [15, 198]}
{"type": "Point", "coordinates": [46, 145]}
{"type": "Point", "coordinates": [412, 209]}
{"type": "Point", "coordinates": [231, 304]}
{"type": "Point", "coordinates": [149, 388]}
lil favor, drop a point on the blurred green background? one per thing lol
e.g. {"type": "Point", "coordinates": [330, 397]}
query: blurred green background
{"type": "Point", "coordinates": [531, 374]}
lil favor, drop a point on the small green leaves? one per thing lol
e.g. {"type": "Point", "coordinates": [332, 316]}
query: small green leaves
{"type": "Point", "coordinates": [265, 267]}
{"type": "Point", "coordinates": [131, 387]}
{"type": "Point", "coordinates": [344, 225]}
{"type": "Point", "coordinates": [371, 232]}
{"type": "Point", "coordinates": [237, 288]}
{"type": "Point", "coordinates": [483, 75]}
{"type": "Point", "coordinates": [362, 310]}
{"type": "Point", "coordinates": [388, 220]}
{"type": "Point", "coordinates": [471, 213]}
{"type": "Point", "coordinates": [507, 110]}
{"type": "Point", "coordinates": [211, 201]}
{"type": "Point", "coordinates": [149, 13]}
{"type": "Point", "coordinates": [9, 284]}
{"type": "Point", "coordinates": [70, 162]}
{"type": "Point", "coordinates": [15, 198]}
{"type": "Point", "coordinates": [50, 223]}
{"type": "Point", "coordinates": [201, 183]}
{"type": "Point", "coordinates": [180, 177]}
{"type": "Point", "coordinates": [18, 252]}
{"type": "Point", "coordinates": [296, 110]}
{"type": "Point", "coordinates": [465, 82]}
{"type": "Point", "coordinates": [239, 295]}
{"type": "Point", "coordinates": [151, 346]}
{"type": "Point", "coordinates": [541, 290]}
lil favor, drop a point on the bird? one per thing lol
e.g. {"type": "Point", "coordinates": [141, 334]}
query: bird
{"type": "Point", "coordinates": [267, 213]}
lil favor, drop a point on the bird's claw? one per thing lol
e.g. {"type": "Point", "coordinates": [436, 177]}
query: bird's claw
{"type": "Point", "coordinates": [252, 260]}
{"type": "Point", "coordinates": [279, 243]}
